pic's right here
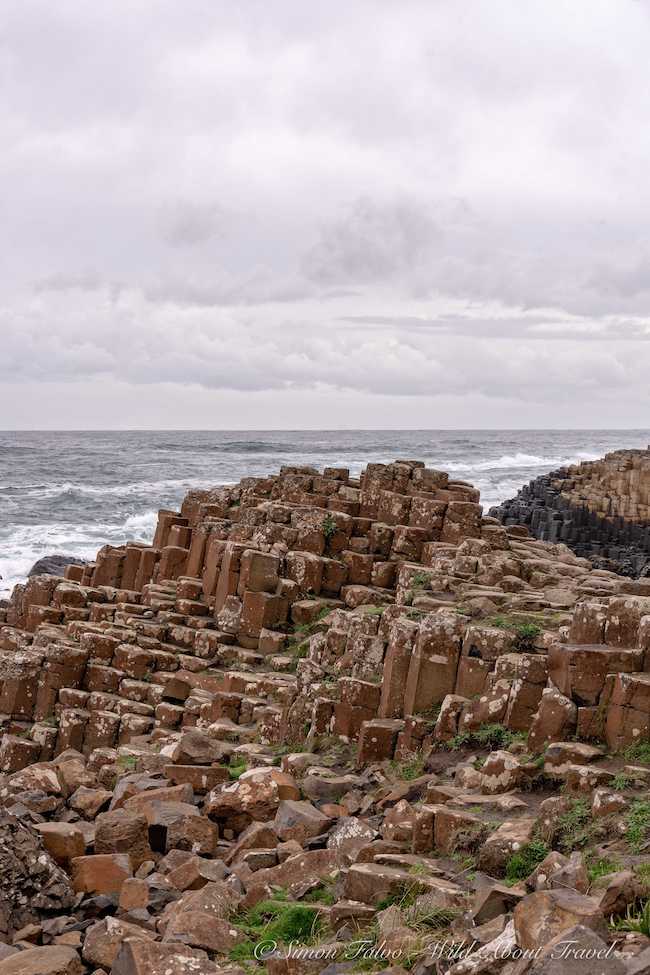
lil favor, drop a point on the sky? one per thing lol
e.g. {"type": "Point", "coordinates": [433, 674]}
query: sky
{"type": "Point", "coordinates": [293, 214]}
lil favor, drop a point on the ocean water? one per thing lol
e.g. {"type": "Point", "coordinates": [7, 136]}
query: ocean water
{"type": "Point", "coordinates": [72, 492]}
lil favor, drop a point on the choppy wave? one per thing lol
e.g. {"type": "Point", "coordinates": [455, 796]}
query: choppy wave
{"type": "Point", "coordinates": [28, 543]}
{"type": "Point", "coordinates": [70, 493]}
{"type": "Point", "coordinates": [117, 490]}
{"type": "Point", "coordinates": [519, 460]}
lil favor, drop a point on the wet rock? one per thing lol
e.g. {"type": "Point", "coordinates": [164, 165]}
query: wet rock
{"type": "Point", "coordinates": [53, 565]}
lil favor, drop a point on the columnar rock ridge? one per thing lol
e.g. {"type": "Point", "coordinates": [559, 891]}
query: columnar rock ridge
{"type": "Point", "coordinates": [600, 509]}
{"type": "Point", "coordinates": [320, 711]}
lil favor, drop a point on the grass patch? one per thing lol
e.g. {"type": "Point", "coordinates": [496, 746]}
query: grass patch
{"type": "Point", "coordinates": [621, 782]}
{"type": "Point", "coordinates": [275, 920]}
{"type": "Point", "coordinates": [574, 827]}
{"type": "Point", "coordinates": [302, 631]}
{"type": "Point", "coordinates": [236, 769]}
{"type": "Point", "coordinates": [522, 863]}
{"type": "Point", "coordinates": [492, 736]}
{"type": "Point", "coordinates": [329, 527]}
{"type": "Point", "coordinates": [638, 825]}
{"type": "Point", "coordinates": [409, 770]}
{"type": "Point", "coordinates": [637, 918]}
{"type": "Point", "coordinates": [322, 894]}
{"type": "Point", "coordinates": [638, 753]}
{"type": "Point", "coordinates": [419, 580]}
{"type": "Point", "coordinates": [601, 868]}
{"type": "Point", "coordinates": [525, 631]}
{"type": "Point", "coordinates": [127, 763]}
{"type": "Point", "coordinates": [642, 870]}
{"type": "Point", "coordinates": [436, 919]}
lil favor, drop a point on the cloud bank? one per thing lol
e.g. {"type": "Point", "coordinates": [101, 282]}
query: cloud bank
{"type": "Point", "coordinates": [416, 214]}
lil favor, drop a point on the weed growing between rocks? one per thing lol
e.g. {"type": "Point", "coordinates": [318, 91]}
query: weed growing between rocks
{"type": "Point", "coordinates": [639, 753]}
{"type": "Point", "coordinates": [492, 736]}
{"type": "Point", "coordinates": [411, 769]}
{"type": "Point", "coordinates": [275, 921]}
{"type": "Point", "coordinates": [574, 827]}
{"type": "Point", "coordinates": [526, 631]}
{"type": "Point", "coordinates": [601, 868]}
{"type": "Point", "coordinates": [638, 825]}
{"type": "Point", "coordinates": [522, 863]}
{"type": "Point", "coordinates": [637, 919]}
{"type": "Point", "coordinates": [236, 769]}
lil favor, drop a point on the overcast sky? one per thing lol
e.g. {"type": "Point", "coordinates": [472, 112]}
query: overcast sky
{"type": "Point", "coordinates": [287, 213]}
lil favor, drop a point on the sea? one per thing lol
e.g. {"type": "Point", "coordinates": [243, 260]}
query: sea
{"type": "Point", "coordinates": [72, 492]}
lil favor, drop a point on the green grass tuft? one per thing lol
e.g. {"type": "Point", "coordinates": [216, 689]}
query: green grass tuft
{"type": "Point", "coordinates": [275, 920]}
{"type": "Point", "coordinates": [638, 825]}
{"type": "Point", "coordinates": [492, 736]}
{"type": "Point", "coordinates": [409, 770]}
{"type": "Point", "coordinates": [638, 753]}
{"type": "Point", "coordinates": [329, 527]}
{"type": "Point", "coordinates": [236, 768]}
{"type": "Point", "coordinates": [601, 868]}
{"type": "Point", "coordinates": [526, 631]}
{"type": "Point", "coordinates": [522, 863]}
{"type": "Point", "coordinates": [638, 922]}
{"type": "Point", "coordinates": [621, 782]}
{"type": "Point", "coordinates": [574, 827]}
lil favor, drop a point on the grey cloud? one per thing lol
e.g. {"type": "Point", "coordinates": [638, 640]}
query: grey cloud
{"type": "Point", "coordinates": [420, 199]}
{"type": "Point", "coordinates": [186, 224]}
{"type": "Point", "coordinates": [371, 242]}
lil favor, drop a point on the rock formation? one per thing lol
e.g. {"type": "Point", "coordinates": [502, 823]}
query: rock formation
{"type": "Point", "coordinates": [326, 712]}
{"type": "Point", "coordinates": [53, 565]}
{"type": "Point", "coordinates": [600, 509]}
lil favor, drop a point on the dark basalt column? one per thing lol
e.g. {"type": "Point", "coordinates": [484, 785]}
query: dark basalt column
{"type": "Point", "coordinates": [610, 543]}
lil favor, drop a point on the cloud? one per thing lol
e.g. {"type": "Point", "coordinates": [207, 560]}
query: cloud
{"type": "Point", "coordinates": [186, 224]}
{"type": "Point", "coordinates": [415, 201]}
{"type": "Point", "coordinates": [371, 242]}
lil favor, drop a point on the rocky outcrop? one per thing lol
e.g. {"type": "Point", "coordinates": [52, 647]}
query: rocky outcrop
{"type": "Point", "coordinates": [600, 509]}
{"type": "Point", "coordinates": [32, 886]}
{"type": "Point", "coordinates": [320, 709]}
{"type": "Point", "coordinates": [53, 565]}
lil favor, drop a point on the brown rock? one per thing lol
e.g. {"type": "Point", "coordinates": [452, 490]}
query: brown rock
{"type": "Point", "coordinates": [299, 820]}
{"type": "Point", "coordinates": [578, 951]}
{"type": "Point", "coordinates": [88, 802]}
{"type": "Point", "coordinates": [546, 914]}
{"type": "Point", "coordinates": [63, 841]}
{"type": "Point", "coordinates": [200, 929]}
{"type": "Point", "coordinates": [103, 940]}
{"type": "Point", "coordinates": [152, 958]}
{"type": "Point", "coordinates": [499, 846]}
{"type": "Point", "coordinates": [121, 831]}
{"type": "Point", "coordinates": [55, 960]}
{"type": "Point", "coordinates": [103, 873]}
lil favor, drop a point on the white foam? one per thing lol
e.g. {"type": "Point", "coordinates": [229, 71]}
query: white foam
{"type": "Point", "coordinates": [139, 488]}
{"type": "Point", "coordinates": [28, 543]}
{"type": "Point", "coordinates": [518, 460]}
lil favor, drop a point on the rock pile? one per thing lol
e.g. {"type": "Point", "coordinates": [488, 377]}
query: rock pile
{"type": "Point", "coordinates": [600, 509]}
{"type": "Point", "coordinates": [326, 724]}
